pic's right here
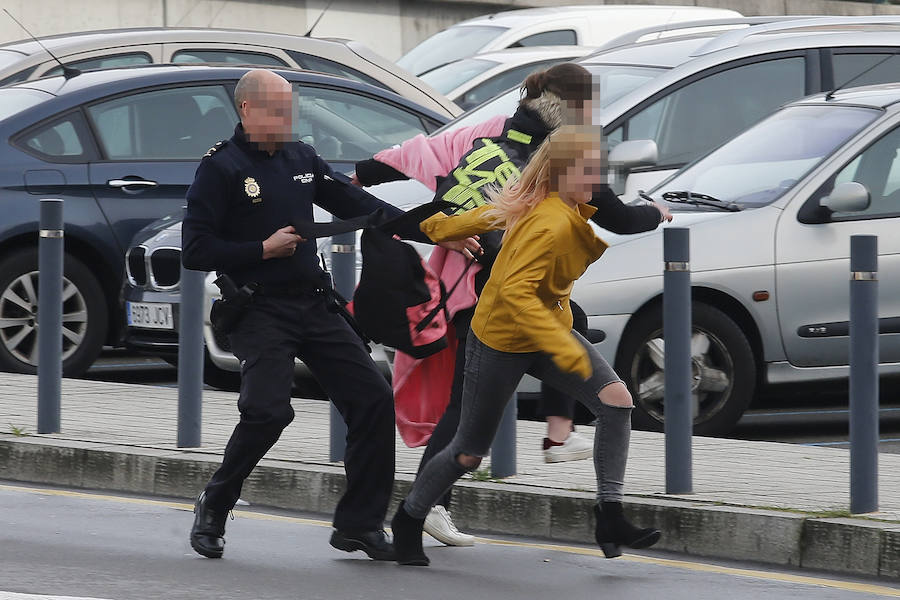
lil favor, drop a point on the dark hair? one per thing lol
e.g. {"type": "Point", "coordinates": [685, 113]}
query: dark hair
{"type": "Point", "coordinates": [569, 81]}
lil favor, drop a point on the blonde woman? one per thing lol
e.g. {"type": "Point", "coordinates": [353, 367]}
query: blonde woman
{"type": "Point", "coordinates": [523, 324]}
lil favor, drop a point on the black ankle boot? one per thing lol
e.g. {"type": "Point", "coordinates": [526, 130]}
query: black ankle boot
{"type": "Point", "coordinates": [208, 531]}
{"type": "Point", "coordinates": [614, 530]}
{"type": "Point", "coordinates": [408, 538]}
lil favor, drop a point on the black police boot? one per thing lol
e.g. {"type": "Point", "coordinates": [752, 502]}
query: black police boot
{"type": "Point", "coordinates": [614, 530]}
{"type": "Point", "coordinates": [374, 543]}
{"type": "Point", "coordinates": [208, 531]}
{"type": "Point", "coordinates": [408, 538]}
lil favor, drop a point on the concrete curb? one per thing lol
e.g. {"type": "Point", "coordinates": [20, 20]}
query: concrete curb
{"type": "Point", "coordinates": [846, 545]}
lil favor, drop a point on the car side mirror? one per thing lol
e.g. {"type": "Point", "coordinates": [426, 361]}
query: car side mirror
{"type": "Point", "coordinates": [634, 153]}
{"type": "Point", "coordinates": [849, 196]}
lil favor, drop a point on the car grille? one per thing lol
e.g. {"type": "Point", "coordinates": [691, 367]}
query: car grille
{"type": "Point", "coordinates": [165, 267]}
{"type": "Point", "coordinates": [160, 269]}
{"type": "Point", "coordinates": [134, 265]}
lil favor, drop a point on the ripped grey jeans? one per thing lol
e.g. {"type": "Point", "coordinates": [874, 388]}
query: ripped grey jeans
{"type": "Point", "coordinates": [491, 376]}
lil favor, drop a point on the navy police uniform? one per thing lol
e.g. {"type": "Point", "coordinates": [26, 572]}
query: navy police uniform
{"type": "Point", "coordinates": [240, 196]}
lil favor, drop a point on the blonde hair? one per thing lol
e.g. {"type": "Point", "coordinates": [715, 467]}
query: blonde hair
{"type": "Point", "coordinates": [540, 177]}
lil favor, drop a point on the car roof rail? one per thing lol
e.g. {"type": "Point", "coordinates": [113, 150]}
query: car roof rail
{"type": "Point", "coordinates": [691, 27]}
{"type": "Point", "coordinates": [734, 38]}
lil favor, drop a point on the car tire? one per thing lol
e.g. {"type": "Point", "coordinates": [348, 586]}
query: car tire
{"type": "Point", "coordinates": [85, 314]}
{"type": "Point", "coordinates": [723, 369]}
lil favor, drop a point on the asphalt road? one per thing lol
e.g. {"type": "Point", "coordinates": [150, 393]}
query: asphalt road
{"type": "Point", "coordinates": [816, 415]}
{"type": "Point", "coordinates": [60, 542]}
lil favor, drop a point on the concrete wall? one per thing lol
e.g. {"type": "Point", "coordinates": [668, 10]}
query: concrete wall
{"type": "Point", "coordinates": [389, 27]}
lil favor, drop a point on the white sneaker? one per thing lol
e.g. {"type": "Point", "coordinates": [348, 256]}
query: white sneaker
{"type": "Point", "coordinates": [574, 448]}
{"type": "Point", "coordinates": [439, 525]}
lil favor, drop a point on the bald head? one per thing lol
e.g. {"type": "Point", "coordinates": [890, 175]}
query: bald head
{"type": "Point", "coordinates": [264, 103]}
{"type": "Point", "coordinates": [254, 84]}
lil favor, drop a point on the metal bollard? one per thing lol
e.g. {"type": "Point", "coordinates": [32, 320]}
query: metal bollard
{"type": "Point", "coordinates": [503, 450]}
{"type": "Point", "coordinates": [190, 357]}
{"type": "Point", "coordinates": [677, 336]}
{"type": "Point", "coordinates": [343, 270]}
{"type": "Point", "coordinates": [49, 317]}
{"type": "Point", "coordinates": [863, 374]}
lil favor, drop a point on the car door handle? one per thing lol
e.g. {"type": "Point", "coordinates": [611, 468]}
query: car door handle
{"type": "Point", "coordinates": [118, 183]}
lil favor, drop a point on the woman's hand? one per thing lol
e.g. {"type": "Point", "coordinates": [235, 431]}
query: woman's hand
{"type": "Point", "coordinates": [469, 246]}
{"type": "Point", "coordinates": [664, 213]}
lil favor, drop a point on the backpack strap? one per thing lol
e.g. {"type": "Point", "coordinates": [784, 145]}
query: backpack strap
{"type": "Point", "coordinates": [445, 296]}
{"type": "Point", "coordinates": [310, 229]}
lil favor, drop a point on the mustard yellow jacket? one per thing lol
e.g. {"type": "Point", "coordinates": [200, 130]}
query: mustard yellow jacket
{"type": "Point", "coordinates": [525, 304]}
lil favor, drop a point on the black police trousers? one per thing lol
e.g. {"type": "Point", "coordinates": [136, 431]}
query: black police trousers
{"type": "Point", "coordinates": [274, 330]}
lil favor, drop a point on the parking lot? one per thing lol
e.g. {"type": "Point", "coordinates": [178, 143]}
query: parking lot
{"type": "Point", "coordinates": [816, 415]}
{"type": "Point", "coordinates": [747, 128]}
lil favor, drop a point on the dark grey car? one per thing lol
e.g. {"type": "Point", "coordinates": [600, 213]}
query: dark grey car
{"type": "Point", "coordinates": [120, 147]}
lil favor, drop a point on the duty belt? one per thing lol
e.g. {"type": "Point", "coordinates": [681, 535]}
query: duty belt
{"type": "Point", "coordinates": [290, 289]}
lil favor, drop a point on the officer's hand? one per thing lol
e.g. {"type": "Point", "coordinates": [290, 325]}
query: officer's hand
{"type": "Point", "coordinates": [469, 246]}
{"type": "Point", "coordinates": [282, 243]}
{"type": "Point", "coordinates": [355, 180]}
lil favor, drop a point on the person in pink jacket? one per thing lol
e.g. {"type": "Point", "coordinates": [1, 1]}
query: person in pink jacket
{"type": "Point", "coordinates": [456, 164]}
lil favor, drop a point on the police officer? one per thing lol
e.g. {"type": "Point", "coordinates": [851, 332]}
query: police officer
{"type": "Point", "coordinates": [245, 192]}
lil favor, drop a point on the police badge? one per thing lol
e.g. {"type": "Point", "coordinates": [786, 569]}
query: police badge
{"type": "Point", "coordinates": [251, 188]}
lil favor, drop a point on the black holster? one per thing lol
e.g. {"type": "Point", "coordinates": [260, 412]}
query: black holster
{"type": "Point", "coordinates": [228, 311]}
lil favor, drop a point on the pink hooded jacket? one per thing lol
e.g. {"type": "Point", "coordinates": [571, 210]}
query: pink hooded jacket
{"type": "Point", "coordinates": [422, 386]}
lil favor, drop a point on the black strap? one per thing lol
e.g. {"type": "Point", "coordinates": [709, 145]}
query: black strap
{"type": "Point", "coordinates": [338, 304]}
{"type": "Point", "coordinates": [310, 229]}
{"type": "Point", "coordinates": [445, 296]}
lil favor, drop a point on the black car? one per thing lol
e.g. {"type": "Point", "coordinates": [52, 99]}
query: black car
{"type": "Point", "coordinates": [120, 147]}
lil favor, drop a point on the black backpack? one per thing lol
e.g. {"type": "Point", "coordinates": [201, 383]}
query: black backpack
{"type": "Point", "coordinates": [399, 301]}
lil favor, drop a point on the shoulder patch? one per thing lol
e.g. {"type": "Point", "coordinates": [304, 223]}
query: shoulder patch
{"type": "Point", "coordinates": [215, 147]}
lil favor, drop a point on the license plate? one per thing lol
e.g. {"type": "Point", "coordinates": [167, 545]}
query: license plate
{"type": "Point", "coordinates": [150, 315]}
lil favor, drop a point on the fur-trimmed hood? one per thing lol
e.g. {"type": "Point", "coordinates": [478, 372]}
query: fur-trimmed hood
{"type": "Point", "coordinates": [548, 106]}
{"type": "Point", "coordinates": [528, 120]}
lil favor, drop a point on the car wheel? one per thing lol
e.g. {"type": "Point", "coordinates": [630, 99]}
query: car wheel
{"type": "Point", "coordinates": [85, 315]}
{"type": "Point", "coordinates": [722, 363]}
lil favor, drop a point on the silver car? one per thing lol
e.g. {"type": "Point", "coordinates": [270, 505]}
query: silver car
{"type": "Point", "coordinates": [551, 25]}
{"type": "Point", "coordinates": [691, 92]}
{"type": "Point", "coordinates": [27, 60]}
{"type": "Point", "coordinates": [770, 215]}
{"type": "Point", "coordinates": [471, 80]}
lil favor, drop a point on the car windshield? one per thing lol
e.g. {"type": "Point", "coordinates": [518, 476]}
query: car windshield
{"type": "Point", "coordinates": [14, 100]}
{"type": "Point", "coordinates": [761, 164]}
{"type": "Point", "coordinates": [617, 80]}
{"type": "Point", "coordinates": [450, 76]}
{"type": "Point", "coordinates": [448, 45]}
